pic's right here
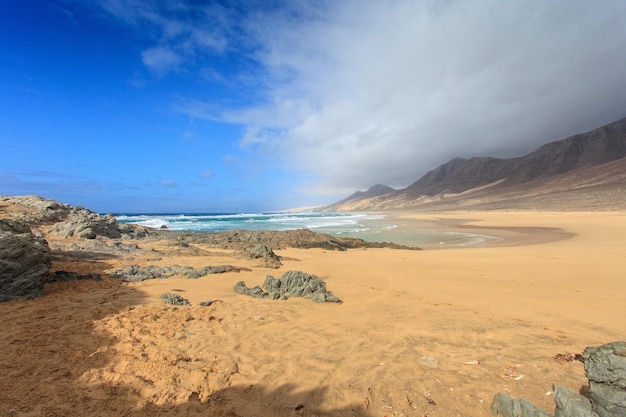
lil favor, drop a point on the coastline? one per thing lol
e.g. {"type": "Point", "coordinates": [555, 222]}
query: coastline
{"type": "Point", "coordinates": [549, 284]}
{"type": "Point", "coordinates": [499, 228]}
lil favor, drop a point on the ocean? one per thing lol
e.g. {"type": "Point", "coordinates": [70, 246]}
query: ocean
{"type": "Point", "coordinates": [370, 227]}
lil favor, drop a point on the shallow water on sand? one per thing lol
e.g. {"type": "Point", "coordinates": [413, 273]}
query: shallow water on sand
{"type": "Point", "coordinates": [369, 227]}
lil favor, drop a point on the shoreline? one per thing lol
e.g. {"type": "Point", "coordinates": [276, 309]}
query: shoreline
{"type": "Point", "coordinates": [500, 234]}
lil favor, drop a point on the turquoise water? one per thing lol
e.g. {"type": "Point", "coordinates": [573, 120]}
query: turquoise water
{"type": "Point", "coordinates": [370, 227]}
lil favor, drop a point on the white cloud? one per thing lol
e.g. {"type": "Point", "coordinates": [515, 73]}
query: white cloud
{"type": "Point", "coordinates": [382, 91]}
{"type": "Point", "coordinates": [359, 92]}
{"type": "Point", "coordinates": [160, 60]}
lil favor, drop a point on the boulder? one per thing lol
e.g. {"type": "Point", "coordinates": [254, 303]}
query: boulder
{"type": "Point", "coordinates": [605, 367]}
{"type": "Point", "coordinates": [506, 406]}
{"type": "Point", "coordinates": [570, 404]}
{"type": "Point", "coordinates": [24, 261]}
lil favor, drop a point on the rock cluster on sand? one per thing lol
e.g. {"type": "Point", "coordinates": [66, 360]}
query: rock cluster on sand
{"type": "Point", "coordinates": [24, 261]}
{"type": "Point", "coordinates": [292, 283]}
{"type": "Point", "coordinates": [135, 273]}
{"type": "Point", "coordinates": [605, 367]}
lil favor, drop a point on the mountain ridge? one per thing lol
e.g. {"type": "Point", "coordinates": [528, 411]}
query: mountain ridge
{"type": "Point", "coordinates": [497, 180]}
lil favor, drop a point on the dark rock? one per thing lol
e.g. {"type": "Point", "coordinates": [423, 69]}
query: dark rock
{"type": "Point", "coordinates": [301, 284]}
{"type": "Point", "coordinates": [25, 261]}
{"type": "Point", "coordinates": [241, 288]}
{"type": "Point", "coordinates": [67, 276]}
{"type": "Point", "coordinates": [605, 367]}
{"type": "Point", "coordinates": [505, 406]}
{"type": "Point", "coordinates": [174, 299]}
{"type": "Point", "coordinates": [294, 283]}
{"type": "Point", "coordinates": [570, 404]}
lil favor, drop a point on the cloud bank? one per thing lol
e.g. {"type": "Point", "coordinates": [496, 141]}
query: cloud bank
{"type": "Point", "coordinates": [363, 92]}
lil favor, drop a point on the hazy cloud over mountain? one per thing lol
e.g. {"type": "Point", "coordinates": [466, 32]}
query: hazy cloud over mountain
{"type": "Point", "coordinates": [367, 92]}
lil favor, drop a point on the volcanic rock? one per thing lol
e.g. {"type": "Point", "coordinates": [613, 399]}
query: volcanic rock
{"type": "Point", "coordinates": [292, 283]}
{"type": "Point", "coordinates": [135, 273]}
{"type": "Point", "coordinates": [65, 220]}
{"type": "Point", "coordinates": [266, 254]}
{"type": "Point", "coordinates": [24, 261]}
{"type": "Point", "coordinates": [605, 367]}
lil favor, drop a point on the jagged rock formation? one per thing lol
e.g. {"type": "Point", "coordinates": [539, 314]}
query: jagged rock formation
{"type": "Point", "coordinates": [593, 162]}
{"type": "Point", "coordinates": [24, 261]}
{"type": "Point", "coordinates": [135, 273]}
{"type": "Point", "coordinates": [605, 367]}
{"type": "Point", "coordinates": [292, 283]}
{"type": "Point", "coordinates": [66, 221]}
{"type": "Point", "coordinates": [266, 254]}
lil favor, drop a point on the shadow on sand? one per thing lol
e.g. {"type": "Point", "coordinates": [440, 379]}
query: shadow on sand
{"type": "Point", "coordinates": [50, 344]}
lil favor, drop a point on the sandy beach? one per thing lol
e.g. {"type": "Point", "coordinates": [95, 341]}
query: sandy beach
{"type": "Point", "coordinates": [547, 284]}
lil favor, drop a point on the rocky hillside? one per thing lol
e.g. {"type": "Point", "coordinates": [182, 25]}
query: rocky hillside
{"type": "Point", "coordinates": [583, 171]}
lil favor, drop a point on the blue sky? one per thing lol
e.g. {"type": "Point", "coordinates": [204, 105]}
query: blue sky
{"type": "Point", "coordinates": [232, 106]}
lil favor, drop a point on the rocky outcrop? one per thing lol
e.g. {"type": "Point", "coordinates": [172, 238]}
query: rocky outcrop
{"type": "Point", "coordinates": [266, 255]}
{"type": "Point", "coordinates": [505, 406]}
{"type": "Point", "coordinates": [135, 273]}
{"type": "Point", "coordinates": [292, 283]}
{"type": "Point", "coordinates": [24, 261]}
{"type": "Point", "coordinates": [67, 221]}
{"type": "Point", "coordinates": [605, 367]}
{"type": "Point", "coordinates": [243, 240]}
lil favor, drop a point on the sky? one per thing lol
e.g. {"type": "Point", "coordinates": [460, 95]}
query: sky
{"type": "Point", "coordinates": [258, 105]}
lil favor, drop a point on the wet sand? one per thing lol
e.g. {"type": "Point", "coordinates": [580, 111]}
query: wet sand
{"type": "Point", "coordinates": [549, 283]}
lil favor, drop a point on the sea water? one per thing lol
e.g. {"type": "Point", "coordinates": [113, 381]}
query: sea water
{"type": "Point", "coordinates": [370, 227]}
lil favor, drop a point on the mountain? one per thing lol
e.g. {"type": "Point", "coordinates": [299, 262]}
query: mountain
{"type": "Point", "coordinates": [590, 168]}
{"type": "Point", "coordinates": [374, 191]}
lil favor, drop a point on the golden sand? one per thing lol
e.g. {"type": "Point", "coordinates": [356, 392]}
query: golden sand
{"type": "Point", "coordinates": [551, 283]}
